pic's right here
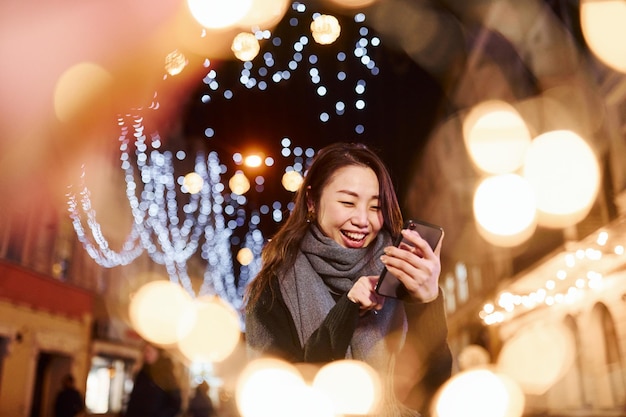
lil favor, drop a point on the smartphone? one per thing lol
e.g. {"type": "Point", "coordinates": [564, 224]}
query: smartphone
{"type": "Point", "coordinates": [388, 284]}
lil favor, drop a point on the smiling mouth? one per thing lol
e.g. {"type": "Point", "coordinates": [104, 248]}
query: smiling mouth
{"type": "Point", "coordinates": [356, 237]}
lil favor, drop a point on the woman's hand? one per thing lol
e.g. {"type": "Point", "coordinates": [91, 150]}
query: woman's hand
{"type": "Point", "coordinates": [417, 266]}
{"type": "Point", "coordinates": [363, 293]}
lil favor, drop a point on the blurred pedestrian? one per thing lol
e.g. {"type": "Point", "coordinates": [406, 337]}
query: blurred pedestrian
{"type": "Point", "coordinates": [69, 401]}
{"type": "Point", "coordinates": [200, 404]}
{"type": "Point", "coordinates": [156, 392]}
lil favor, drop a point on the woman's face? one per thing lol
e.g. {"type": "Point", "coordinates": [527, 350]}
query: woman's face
{"type": "Point", "coordinates": [349, 211]}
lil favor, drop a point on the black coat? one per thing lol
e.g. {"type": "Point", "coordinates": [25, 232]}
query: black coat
{"type": "Point", "coordinates": [148, 399]}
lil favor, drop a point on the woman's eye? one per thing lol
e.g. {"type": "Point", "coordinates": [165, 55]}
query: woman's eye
{"type": "Point", "coordinates": [347, 203]}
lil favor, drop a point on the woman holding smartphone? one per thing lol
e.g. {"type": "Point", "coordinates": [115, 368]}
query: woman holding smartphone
{"type": "Point", "coordinates": [314, 299]}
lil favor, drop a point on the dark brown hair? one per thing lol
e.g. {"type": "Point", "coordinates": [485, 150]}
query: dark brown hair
{"type": "Point", "coordinates": [281, 250]}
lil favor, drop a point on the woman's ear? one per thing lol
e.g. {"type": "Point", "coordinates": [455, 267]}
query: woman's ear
{"type": "Point", "coordinates": [310, 204]}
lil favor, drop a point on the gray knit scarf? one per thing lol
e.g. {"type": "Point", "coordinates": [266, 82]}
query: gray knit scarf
{"type": "Point", "coordinates": [323, 268]}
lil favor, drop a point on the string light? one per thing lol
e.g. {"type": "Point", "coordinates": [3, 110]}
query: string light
{"type": "Point", "coordinates": [566, 276]}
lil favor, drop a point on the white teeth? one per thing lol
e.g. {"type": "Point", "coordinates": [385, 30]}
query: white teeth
{"type": "Point", "coordinates": [354, 236]}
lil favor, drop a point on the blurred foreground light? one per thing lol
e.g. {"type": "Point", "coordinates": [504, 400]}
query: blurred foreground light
{"type": "Point", "coordinates": [565, 174]}
{"type": "Point", "coordinates": [245, 46]}
{"type": "Point", "coordinates": [325, 29]}
{"type": "Point", "coordinates": [292, 180]}
{"type": "Point", "coordinates": [78, 87]}
{"type": "Point", "coordinates": [156, 310]}
{"type": "Point", "coordinates": [269, 387]}
{"type": "Point", "coordinates": [479, 393]}
{"type": "Point", "coordinates": [353, 386]}
{"type": "Point", "coordinates": [253, 161]}
{"type": "Point", "coordinates": [239, 183]}
{"type": "Point", "coordinates": [602, 24]}
{"type": "Point", "coordinates": [217, 14]}
{"type": "Point", "coordinates": [175, 62]}
{"type": "Point", "coordinates": [265, 14]}
{"type": "Point", "coordinates": [496, 137]}
{"type": "Point", "coordinates": [193, 183]}
{"type": "Point", "coordinates": [245, 256]}
{"type": "Point", "coordinates": [538, 356]}
{"type": "Point", "coordinates": [212, 331]}
{"type": "Point", "coordinates": [473, 356]}
{"type": "Point", "coordinates": [352, 4]}
{"type": "Point", "coordinates": [504, 209]}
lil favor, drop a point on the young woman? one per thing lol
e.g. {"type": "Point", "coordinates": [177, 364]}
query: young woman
{"type": "Point", "coordinates": [314, 299]}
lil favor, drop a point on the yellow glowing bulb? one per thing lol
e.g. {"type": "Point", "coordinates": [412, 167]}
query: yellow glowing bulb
{"type": "Point", "coordinates": [565, 174]}
{"type": "Point", "coordinates": [505, 210]}
{"type": "Point", "coordinates": [496, 137]}
{"type": "Point", "coordinates": [213, 331]}
{"type": "Point", "coordinates": [239, 183]}
{"type": "Point", "coordinates": [292, 180]}
{"type": "Point", "coordinates": [245, 46]}
{"type": "Point", "coordinates": [602, 24]}
{"type": "Point", "coordinates": [245, 256]}
{"type": "Point", "coordinates": [216, 14]}
{"type": "Point", "coordinates": [353, 386]}
{"type": "Point", "coordinates": [269, 387]}
{"type": "Point", "coordinates": [325, 29]}
{"type": "Point", "coordinates": [175, 62]}
{"type": "Point", "coordinates": [193, 182]}
{"type": "Point", "coordinates": [253, 161]}
{"type": "Point", "coordinates": [156, 311]}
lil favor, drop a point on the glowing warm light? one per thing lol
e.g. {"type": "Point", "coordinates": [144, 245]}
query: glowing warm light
{"type": "Point", "coordinates": [175, 62]}
{"type": "Point", "coordinates": [239, 183]}
{"type": "Point", "coordinates": [253, 161]}
{"type": "Point", "coordinates": [216, 14]}
{"type": "Point", "coordinates": [292, 180]}
{"type": "Point", "coordinates": [353, 386]}
{"type": "Point", "coordinates": [602, 24]}
{"type": "Point", "coordinates": [78, 87]}
{"type": "Point", "coordinates": [245, 256]}
{"type": "Point", "coordinates": [265, 13]}
{"type": "Point", "coordinates": [496, 137]}
{"type": "Point", "coordinates": [537, 357]}
{"type": "Point", "coordinates": [352, 4]}
{"type": "Point", "coordinates": [269, 387]}
{"type": "Point", "coordinates": [156, 311]}
{"type": "Point", "coordinates": [479, 393]}
{"type": "Point", "coordinates": [504, 209]}
{"type": "Point", "coordinates": [564, 172]}
{"type": "Point", "coordinates": [473, 356]}
{"type": "Point", "coordinates": [245, 46]}
{"type": "Point", "coordinates": [213, 332]}
{"type": "Point", "coordinates": [193, 183]}
{"type": "Point", "coordinates": [325, 29]}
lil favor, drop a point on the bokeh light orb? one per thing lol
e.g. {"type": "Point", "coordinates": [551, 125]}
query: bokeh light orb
{"type": "Point", "coordinates": [496, 137]}
{"type": "Point", "coordinates": [537, 356]}
{"type": "Point", "coordinates": [269, 387]}
{"type": "Point", "coordinates": [264, 13]}
{"type": "Point", "coordinates": [218, 14]}
{"type": "Point", "coordinates": [352, 4]}
{"type": "Point", "coordinates": [245, 256]}
{"type": "Point", "coordinates": [239, 183]}
{"type": "Point", "coordinates": [175, 62]}
{"type": "Point", "coordinates": [245, 46]}
{"type": "Point", "coordinates": [193, 183]}
{"type": "Point", "coordinates": [479, 393]}
{"type": "Point", "coordinates": [473, 356]}
{"type": "Point", "coordinates": [353, 386]}
{"type": "Point", "coordinates": [78, 87]}
{"type": "Point", "coordinates": [157, 309]}
{"type": "Point", "coordinates": [325, 29]}
{"type": "Point", "coordinates": [292, 180]}
{"type": "Point", "coordinates": [505, 210]}
{"type": "Point", "coordinates": [214, 331]}
{"type": "Point", "coordinates": [602, 25]}
{"type": "Point", "coordinates": [565, 174]}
